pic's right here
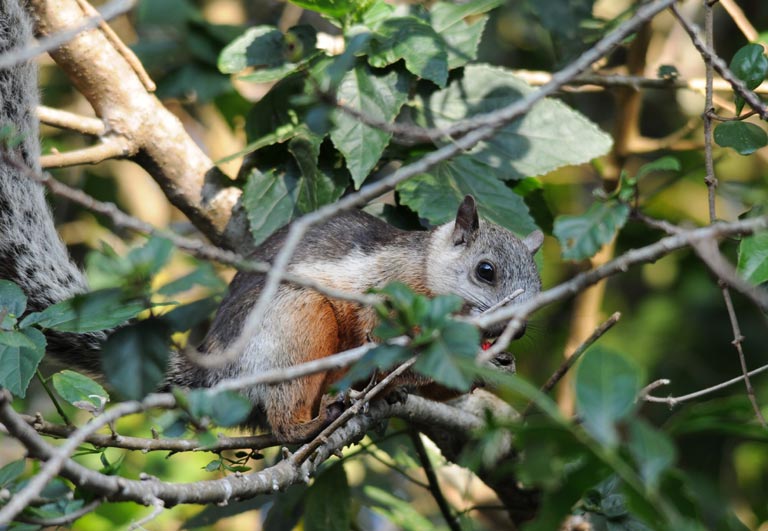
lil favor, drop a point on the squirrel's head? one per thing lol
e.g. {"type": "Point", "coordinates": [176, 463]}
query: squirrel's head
{"type": "Point", "coordinates": [482, 263]}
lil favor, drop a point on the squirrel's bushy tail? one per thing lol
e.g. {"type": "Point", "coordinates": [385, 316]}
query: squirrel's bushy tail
{"type": "Point", "coordinates": [31, 252]}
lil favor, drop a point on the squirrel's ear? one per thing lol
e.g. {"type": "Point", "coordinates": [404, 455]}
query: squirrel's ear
{"type": "Point", "coordinates": [467, 221]}
{"type": "Point", "coordinates": [534, 240]}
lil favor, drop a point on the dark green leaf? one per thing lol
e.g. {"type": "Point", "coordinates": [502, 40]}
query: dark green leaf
{"type": "Point", "coordinates": [382, 357]}
{"type": "Point", "coordinates": [275, 197]}
{"type": "Point", "coordinates": [551, 135]}
{"type": "Point", "coordinates": [13, 301]}
{"type": "Point", "coordinates": [461, 28]}
{"type": "Point", "coordinates": [75, 387]}
{"type": "Point", "coordinates": [18, 364]}
{"type": "Point", "coordinates": [11, 471]}
{"type": "Point", "coordinates": [652, 450]}
{"type": "Point", "coordinates": [606, 385]}
{"type": "Point", "coordinates": [98, 310]}
{"type": "Point", "coordinates": [416, 42]}
{"type": "Point", "coordinates": [134, 358]}
{"type": "Point", "coordinates": [187, 316]}
{"type": "Point", "coordinates": [380, 97]}
{"type": "Point", "coordinates": [286, 509]}
{"type": "Point", "coordinates": [435, 196]}
{"type": "Point", "coordinates": [328, 505]}
{"type": "Point", "coordinates": [744, 137]}
{"type": "Point", "coordinates": [753, 258]}
{"type": "Point", "coordinates": [750, 65]}
{"type": "Point", "coordinates": [566, 20]}
{"type": "Point", "coordinates": [582, 236]}
{"type": "Point", "coordinates": [197, 82]}
{"type": "Point", "coordinates": [441, 359]}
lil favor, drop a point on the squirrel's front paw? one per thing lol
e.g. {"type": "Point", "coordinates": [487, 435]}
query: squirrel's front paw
{"type": "Point", "coordinates": [332, 406]}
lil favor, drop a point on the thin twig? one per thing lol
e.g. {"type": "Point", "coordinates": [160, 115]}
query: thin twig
{"type": "Point", "coordinates": [71, 121]}
{"type": "Point", "coordinates": [434, 485]}
{"type": "Point", "coordinates": [566, 365]}
{"type": "Point", "coordinates": [672, 401]}
{"type": "Point", "coordinates": [303, 453]}
{"type": "Point", "coordinates": [46, 44]}
{"type": "Point", "coordinates": [102, 440]}
{"type": "Point", "coordinates": [113, 149]}
{"type": "Point", "coordinates": [737, 340]}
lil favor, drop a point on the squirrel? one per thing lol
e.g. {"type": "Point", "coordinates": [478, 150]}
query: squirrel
{"type": "Point", "coordinates": [481, 262]}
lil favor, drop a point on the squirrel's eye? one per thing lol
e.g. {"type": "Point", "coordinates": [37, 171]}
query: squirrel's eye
{"type": "Point", "coordinates": [485, 272]}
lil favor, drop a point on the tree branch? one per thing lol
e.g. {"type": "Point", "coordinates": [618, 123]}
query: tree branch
{"type": "Point", "coordinates": [113, 149]}
{"type": "Point", "coordinates": [156, 138]}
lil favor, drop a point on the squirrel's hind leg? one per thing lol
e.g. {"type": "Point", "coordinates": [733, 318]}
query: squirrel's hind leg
{"type": "Point", "coordinates": [299, 409]}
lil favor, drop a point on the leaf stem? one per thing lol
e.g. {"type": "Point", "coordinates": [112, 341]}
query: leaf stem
{"type": "Point", "coordinates": [53, 398]}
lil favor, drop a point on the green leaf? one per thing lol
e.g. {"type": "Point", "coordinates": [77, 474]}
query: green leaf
{"type": "Point", "coordinates": [744, 137]}
{"type": "Point", "coordinates": [98, 310]}
{"type": "Point", "coordinates": [401, 513]}
{"type": "Point", "coordinates": [750, 65]}
{"type": "Point", "coordinates": [75, 387]}
{"type": "Point", "coordinates": [11, 338]}
{"type": "Point", "coordinates": [606, 385]}
{"type": "Point", "coordinates": [225, 409]}
{"type": "Point", "coordinates": [380, 96]}
{"type": "Point", "coordinates": [260, 46]}
{"type": "Point", "coordinates": [203, 275]}
{"type": "Point", "coordinates": [551, 135]}
{"type": "Point", "coordinates": [382, 357]}
{"type": "Point", "coordinates": [442, 359]}
{"type": "Point", "coordinates": [652, 450]}
{"type": "Point", "coordinates": [337, 9]}
{"type": "Point", "coordinates": [186, 316]}
{"type": "Point", "coordinates": [273, 198]}
{"type": "Point", "coordinates": [436, 195]}
{"type": "Point", "coordinates": [18, 364]}
{"type": "Point", "coordinates": [328, 504]}
{"type": "Point", "coordinates": [667, 163]}
{"type": "Point", "coordinates": [12, 299]}
{"type": "Point", "coordinates": [134, 358]}
{"type": "Point", "coordinates": [11, 472]}
{"type": "Point", "coordinates": [568, 23]}
{"type": "Point", "coordinates": [753, 258]}
{"type": "Point", "coordinates": [582, 236]}
{"type": "Point", "coordinates": [461, 28]}
{"type": "Point", "coordinates": [414, 41]}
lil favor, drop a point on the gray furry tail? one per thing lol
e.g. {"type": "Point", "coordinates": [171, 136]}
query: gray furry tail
{"type": "Point", "coordinates": [31, 252]}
